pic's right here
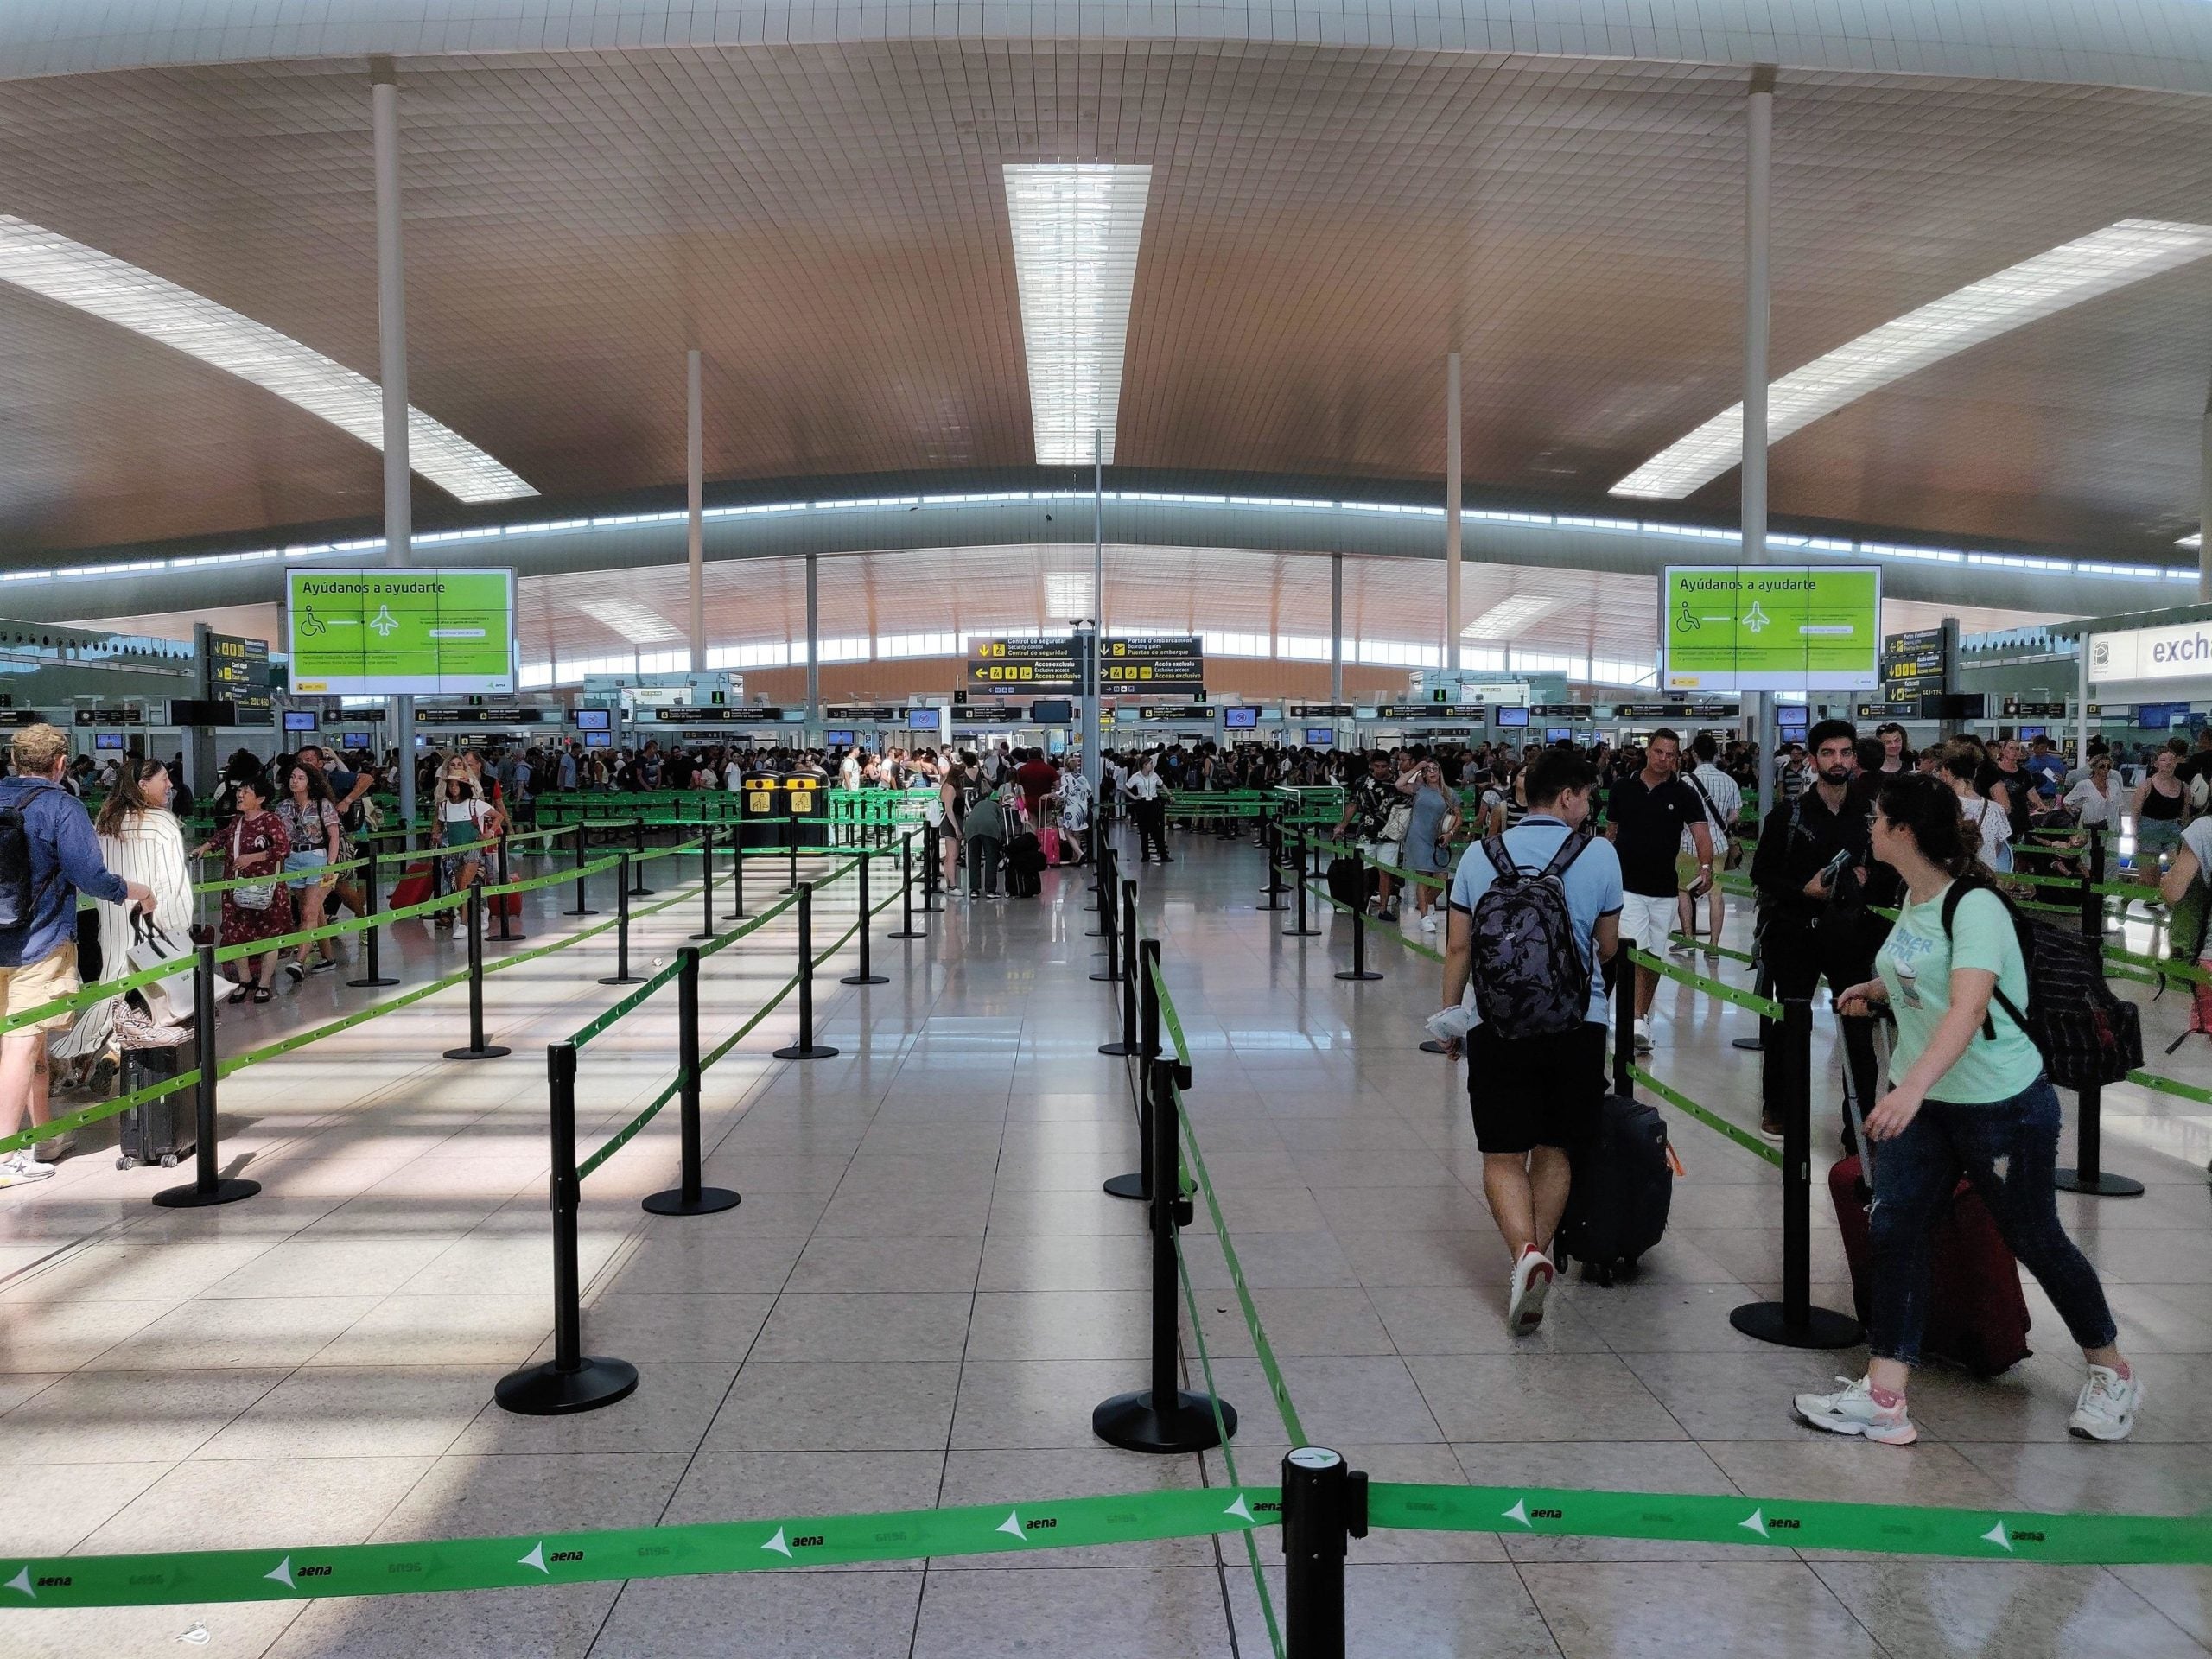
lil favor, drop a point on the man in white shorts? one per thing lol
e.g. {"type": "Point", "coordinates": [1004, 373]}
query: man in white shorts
{"type": "Point", "coordinates": [1645, 818]}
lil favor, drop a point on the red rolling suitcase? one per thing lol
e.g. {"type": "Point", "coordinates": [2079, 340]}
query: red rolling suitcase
{"type": "Point", "coordinates": [1977, 1317]}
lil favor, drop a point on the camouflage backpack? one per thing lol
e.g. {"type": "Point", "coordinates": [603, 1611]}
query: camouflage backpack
{"type": "Point", "coordinates": [1529, 974]}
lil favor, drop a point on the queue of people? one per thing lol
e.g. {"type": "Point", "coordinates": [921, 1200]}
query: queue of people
{"type": "Point", "coordinates": [1538, 913]}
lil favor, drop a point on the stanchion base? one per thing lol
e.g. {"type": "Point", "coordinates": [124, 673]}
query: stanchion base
{"type": "Point", "coordinates": [738, 916]}
{"type": "Point", "coordinates": [712, 1200]}
{"type": "Point", "coordinates": [623, 979]}
{"type": "Point", "coordinates": [489, 1052]}
{"type": "Point", "coordinates": [2104, 1186]}
{"type": "Point", "coordinates": [907, 933]}
{"type": "Point", "coordinates": [1130, 1185]}
{"type": "Point", "coordinates": [1273, 903]}
{"type": "Point", "coordinates": [545, 1391]}
{"type": "Point", "coordinates": [703, 933]}
{"type": "Point", "coordinates": [380, 979]}
{"type": "Point", "coordinates": [1769, 1322]}
{"type": "Point", "coordinates": [641, 892]}
{"type": "Point", "coordinates": [818, 1052]}
{"type": "Point", "coordinates": [1116, 1050]}
{"type": "Point", "coordinates": [1749, 1045]}
{"type": "Point", "coordinates": [191, 1198]}
{"type": "Point", "coordinates": [1361, 973]}
{"type": "Point", "coordinates": [579, 912]}
{"type": "Point", "coordinates": [1301, 933]}
{"type": "Point", "coordinates": [862, 979]}
{"type": "Point", "coordinates": [1105, 978]}
{"type": "Point", "coordinates": [1430, 1045]}
{"type": "Point", "coordinates": [1130, 1421]}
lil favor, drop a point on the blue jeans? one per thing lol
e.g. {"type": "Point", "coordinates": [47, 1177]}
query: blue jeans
{"type": "Point", "coordinates": [2007, 1149]}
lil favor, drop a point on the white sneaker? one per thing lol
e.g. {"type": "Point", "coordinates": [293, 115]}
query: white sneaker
{"type": "Point", "coordinates": [19, 1169]}
{"type": "Point", "coordinates": [1852, 1410]}
{"type": "Point", "coordinates": [1643, 1036]}
{"type": "Point", "coordinates": [1428, 922]}
{"type": "Point", "coordinates": [1530, 1283]}
{"type": "Point", "coordinates": [2106, 1409]}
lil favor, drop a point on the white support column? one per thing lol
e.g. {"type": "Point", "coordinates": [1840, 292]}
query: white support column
{"type": "Point", "coordinates": [1758, 172]}
{"type": "Point", "coordinates": [694, 471]}
{"type": "Point", "coordinates": [1336, 627]}
{"type": "Point", "coordinates": [2204, 512]}
{"type": "Point", "coordinates": [813, 646]}
{"type": "Point", "coordinates": [1452, 621]}
{"type": "Point", "coordinates": [392, 366]}
{"type": "Point", "coordinates": [2081, 710]}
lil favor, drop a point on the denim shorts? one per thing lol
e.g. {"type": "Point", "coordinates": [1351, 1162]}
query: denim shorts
{"type": "Point", "coordinates": [313, 861]}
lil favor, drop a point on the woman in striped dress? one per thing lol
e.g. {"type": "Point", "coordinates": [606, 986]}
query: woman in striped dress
{"type": "Point", "coordinates": [141, 841]}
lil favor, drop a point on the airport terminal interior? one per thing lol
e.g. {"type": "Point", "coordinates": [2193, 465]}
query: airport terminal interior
{"type": "Point", "coordinates": [869, 831]}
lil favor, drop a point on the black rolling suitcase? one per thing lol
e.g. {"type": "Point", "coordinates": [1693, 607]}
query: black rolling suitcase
{"type": "Point", "coordinates": [1347, 886]}
{"type": "Point", "coordinates": [1025, 866]}
{"type": "Point", "coordinates": [1624, 1188]}
{"type": "Point", "coordinates": [161, 1131]}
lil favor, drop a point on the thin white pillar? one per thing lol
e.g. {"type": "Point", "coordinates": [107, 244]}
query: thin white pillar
{"type": "Point", "coordinates": [2082, 708]}
{"type": "Point", "coordinates": [1094, 757]}
{"type": "Point", "coordinates": [813, 646]}
{"type": "Point", "coordinates": [1452, 621]}
{"type": "Point", "coordinates": [1336, 627]}
{"type": "Point", "coordinates": [2204, 512]}
{"type": "Point", "coordinates": [392, 366]}
{"type": "Point", "coordinates": [694, 478]}
{"type": "Point", "coordinates": [1757, 221]}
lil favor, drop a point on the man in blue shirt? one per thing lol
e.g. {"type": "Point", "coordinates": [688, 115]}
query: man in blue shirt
{"type": "Point", "coordinates": [38, 960]}
{"type": "Point", "coordinates": [1535, 1097]}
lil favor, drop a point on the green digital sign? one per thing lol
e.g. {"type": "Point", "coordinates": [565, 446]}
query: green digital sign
{"type": "Point", "coordinates": [396, 632]}
{"type": "Point", "coordinates": [1772, 627]}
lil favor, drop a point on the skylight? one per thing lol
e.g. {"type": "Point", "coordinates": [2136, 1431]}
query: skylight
{"type": "Point", "coordinates": [1067, 596]}
{"type": "Point", "coordinates": [51, 265]}
{"type": "Point", "coordinates": [1075, 230]}
{"type": "Point", "coordinates": [2097, 264]}
{"type": "Point", "coordinates": [1507, 618]}
{"type": "Point", "coordinates": [2196, 540]}
{"type": "Point", "coordinates": [634, 622]}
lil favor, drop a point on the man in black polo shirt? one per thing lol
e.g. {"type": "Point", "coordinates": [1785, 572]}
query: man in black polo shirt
{"type": "Point", "coordinates": [1809, 925]}
{"type": "Point", "coordinates": [1645, 816]}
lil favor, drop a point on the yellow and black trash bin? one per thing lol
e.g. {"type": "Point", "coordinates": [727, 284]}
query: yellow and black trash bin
{"type": "Point", "coordinates": [806, 809]}
{"type": "Point", "coordinates": [762, 813]}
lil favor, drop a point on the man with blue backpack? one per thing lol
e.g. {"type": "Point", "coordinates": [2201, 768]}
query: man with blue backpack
{"type": "Point", "coordinates": [47, 855]}
{"type": "Point", "coordinates": [1535, 915]}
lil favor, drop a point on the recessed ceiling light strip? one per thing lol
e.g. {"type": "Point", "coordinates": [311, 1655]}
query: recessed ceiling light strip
{"type": "Point", "coordinates": [49, 265]}
{"type": "Point", "coordinates": [2098, 264]}
{"type": "Point", "coordinates": [1076, 229]}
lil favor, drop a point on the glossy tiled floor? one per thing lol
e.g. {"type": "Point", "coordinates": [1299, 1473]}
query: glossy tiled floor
{"type": "Point", "coordinates": [924, 1294]}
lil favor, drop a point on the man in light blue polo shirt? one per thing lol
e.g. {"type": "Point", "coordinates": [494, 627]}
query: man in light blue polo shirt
{"type": "Point", "coordinates": [1535, 1096]}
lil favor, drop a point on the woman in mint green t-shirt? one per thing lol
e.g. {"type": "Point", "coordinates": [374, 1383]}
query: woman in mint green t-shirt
{"type": "Point", "coordinates": [1967, 1096]}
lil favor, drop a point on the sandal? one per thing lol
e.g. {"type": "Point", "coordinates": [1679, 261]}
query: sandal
{"type": "Point", "coordinates": [239, 995]}
{"type": "Point", "coordinates": [262, 994]}
{"type": "Point", "coordinates": [299, 974]}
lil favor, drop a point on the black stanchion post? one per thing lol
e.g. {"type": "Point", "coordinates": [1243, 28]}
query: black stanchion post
{"type": "Point", "coordinates": [1128, 1043]}
{"type": "Point", "coordinates": [736, 875]}
{"type": "Point", "coordinates": [906, 928]}
{"type": "Point", "coordinates": [932, 867]}
{"type": "Point", "coordinates": [509, 904]}
{"type": "Point", "coordinates": [1163, 1417]}
{"type": "Point", "coordinates": [805, 1048]}
{"type": "Point", "coordinates": [209, 1186]}
{"type": "Point", "coordinates": [791, 860]}
{"type": "Point", "coordinates": [580, 908]}
{"type": "Point", "coordinates": [1302, 929]}
{"type": "Point", "coordinates": [1103, 897]}
{"type": "Point", "coordinates": [1112, 973]}
{"type": "Point", "coordinates": [571, 1381]}
{"type": "Point", "coordinates": [863, 975]}
{"type": "Point", "coordinates": [706, 883]}
{"type": "Point", "coordinates": [1359, 970]}
{"type": "Point", "coordinates": [1762, 985]}
{"type": "Point", "coordinates": [372, 971]}
{"type": "Point", "coordinates": [1794, 1322]}
{"type": "Point", "coordinates": [1271, 837]}
{"type": "Point", "coordinates": [690, 1198]}
{"type": "Point", "coordinates": [634, 871]}
{"type": "Point", "coordinates": [2088, 1174]}
{"type": "Point", "coordinates": [621, 976]}
{"type": "Point", "coordinates": [478, 1049]}
{"type": "Point", "coordinates": [1138, 1183]}
{"type": "Point", "coordinates": [1324, 1504]}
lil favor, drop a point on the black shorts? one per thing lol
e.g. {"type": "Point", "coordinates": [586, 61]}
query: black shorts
{"type": "Point", "coordinates": [1526, 1092]}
